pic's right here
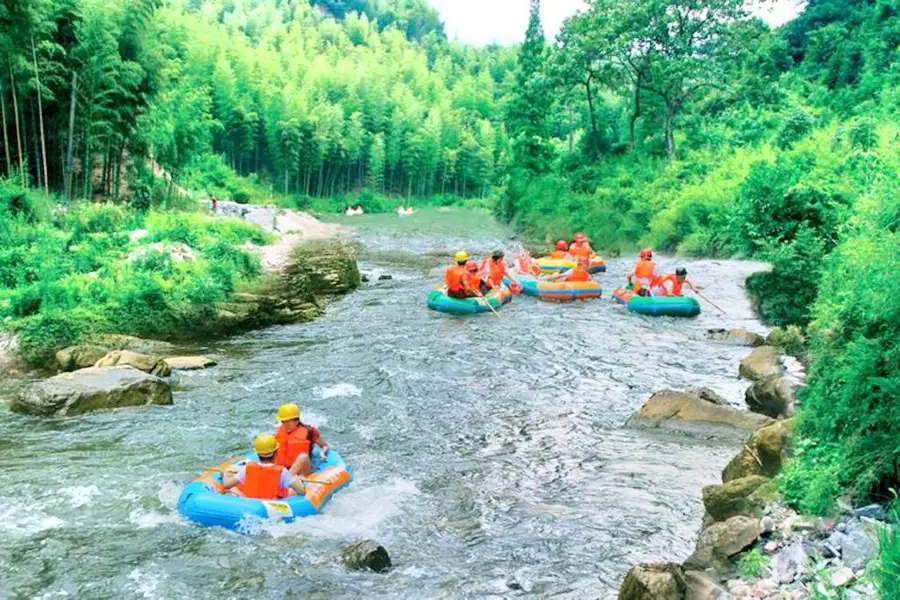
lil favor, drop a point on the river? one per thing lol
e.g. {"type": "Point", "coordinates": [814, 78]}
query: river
{"type": "Point", "coordinates": [490, 455]}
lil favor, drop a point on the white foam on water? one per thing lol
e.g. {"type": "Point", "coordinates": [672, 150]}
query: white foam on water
{"type": "Point", "coordinates": [150, 519]}
{"type": "Point", "coordinates": [81, 495]}
{"type": "Point", "coordinates": [311, 417]}
{"type": "Point", "coordinates": [49, 595]}
{"type": "Point", "coordinates": [168, 494]}
{"type": "Point", "coordinates": [340, 390]}
{"type": "Point", "coordinates": [17, 521]}
{"type": "Point", "coordinates": [354, 511]}
{"type": "Point", "coordinates": [365, 431]}
{"type": "Point", "coordinates": [146, 582]}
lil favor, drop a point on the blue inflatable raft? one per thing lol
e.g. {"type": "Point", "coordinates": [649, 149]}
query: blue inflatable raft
{"type": "Point", "coordinates": [204, 502]}
{"type": "Point", "coordinates": [439, 300]}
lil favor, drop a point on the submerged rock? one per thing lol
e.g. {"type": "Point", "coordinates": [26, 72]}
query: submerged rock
{"type": "Point", "coordinates": [653, 582]}
{"type": "Point", "coordinates": [762, 363]}
{"type": "Point", "coordinates": [366, 554]}
{"type": "Point", "coordinates": [720, 541]}
{"type": "Point", "coordinates": [190, 363]}
{"type": "Point", "coordinates": [737, 337]}
{"type": "Point", "coordinates": [763, 454]}
{"type": "Point", "coordinates": [94, 388]}
{"type": "Point", "coordinates": [142, 362]}
{"type": "Point", "coordinates": [733, 498]}
{"type": "Point", "coordinates": [771, 396]}
{"type": "Point", "coordinates": [687, 413]}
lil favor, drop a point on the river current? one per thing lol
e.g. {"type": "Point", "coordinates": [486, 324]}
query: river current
{"type": "Point", "coordinates": [490, 455]}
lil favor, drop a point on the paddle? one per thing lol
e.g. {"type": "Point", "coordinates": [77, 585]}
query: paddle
{"type": "Point", "coordinates": [488, 303]}
{"type": "Point", "coordinates": [709, 301]}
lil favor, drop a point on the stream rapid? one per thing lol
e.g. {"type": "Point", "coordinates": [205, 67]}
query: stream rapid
{"type": "Point", "coordinates": [491, 456]}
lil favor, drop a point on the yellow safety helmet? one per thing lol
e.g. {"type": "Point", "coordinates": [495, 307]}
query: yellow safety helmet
{"type": "Point", "coordinates": [461, 256]}
{"type": "Point", "coordinates": [286, 412]}
{"type": "Point", "coordinates": [265, 444]}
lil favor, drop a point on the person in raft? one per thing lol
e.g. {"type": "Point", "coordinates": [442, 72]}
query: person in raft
{"type": "Point", "coordinates": [454, 275]}
{"type": "Point", "coordinates": [644, 275]}
{"type": "Point", "coordinates": [577, 273]}
{"type": "Point", "coordinates": [561, 252]}
{"type": "Point", "coordinates": [264, 480]}
{"type": "Point", "coordinates": [673, 284]}
{"type": "Point", "coordinates": [494, 268]}
{"type": "Point", "coordinates": [295, 441]}
{"type": "Point", "coordinates": [473, 282]}
{"type": "Point", "coordinates": [580, 248]}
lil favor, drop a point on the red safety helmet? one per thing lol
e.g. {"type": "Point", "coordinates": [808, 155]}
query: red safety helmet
{"type": "Point", "coordinates": [562, 245]}
{"type": "Point", "coordinates": [579, 237]}
{"type": "Point", "coordinates": [471, 266]}
{"type": "Point", "coordinates": [646, 253]}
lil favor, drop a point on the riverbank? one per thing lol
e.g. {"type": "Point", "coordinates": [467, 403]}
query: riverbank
{"type": "Point", "coordinates": [71, 273]}
{"type": "Point", "coordinates": [751, 544]}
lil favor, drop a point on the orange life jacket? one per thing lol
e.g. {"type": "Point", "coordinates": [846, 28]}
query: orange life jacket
{"type": "Point", "coordinates": [582, 249]}
{"type": "Point", "coordinates": [644, 274]}
{"type": "Point", "coordinates": [558, 255]}
{"type": "Point", "coordinates": [291, 445]}
{"type": "Point", "coordinates": [677, 286]}
{"type": "Point", "coordinates": [474, 280]}
{"type": "Point", "coordinates": [528, 265]}
{"type": "Point", "coordinates": [262, 481]}
{"type": "Point", "coordinates": [495, 271]}
{"type": "Point", "coordinates": [453, 277]}
{"type": "Point", "coordinates": [579, 273]}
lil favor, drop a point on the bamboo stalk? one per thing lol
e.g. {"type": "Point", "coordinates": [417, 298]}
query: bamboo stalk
{"type": "Point", "coordinates": [37, 78]}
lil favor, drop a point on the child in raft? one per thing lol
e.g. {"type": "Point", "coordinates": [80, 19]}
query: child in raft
{"type": "Point", "coordinates": [263, 480]}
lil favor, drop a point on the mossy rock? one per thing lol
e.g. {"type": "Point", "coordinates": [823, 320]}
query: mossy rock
{"type": "Point", "coordinates": [764, 453]}
{"type": "Point", "coordinates": [733, 498]}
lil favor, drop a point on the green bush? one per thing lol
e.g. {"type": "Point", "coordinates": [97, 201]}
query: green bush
{"type": "Point", "coordinates": [42, 336]}
{"type": "Point", "coordinates": [887, 566]}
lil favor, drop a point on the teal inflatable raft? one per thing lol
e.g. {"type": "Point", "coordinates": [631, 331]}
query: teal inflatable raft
{"type": "Point", "coordinates": [657, 306]}
{"type": "Point", "coordinates": [439, 300]}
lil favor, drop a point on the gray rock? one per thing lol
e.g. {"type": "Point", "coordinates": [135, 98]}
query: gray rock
{"type": "Point", "coordinates": [771, 396]}
{"type": "Point", "coordinates": [190, 363]}
{"type": "Point", "coordinates": [789, 564]}
{"type": "Point", "coordinates": [722, 540]}
{"type": "Point", "coordinates": [842, 577]}
{"type": "Point", "coordinates": [855, 543]}
{"type": "Point", "coordinates": [80, 357]}
{"type": "Point", "coordinates": [385, 277]}
{"type": "Point", "coordinates": [700, 586]}
{"type": "Point", "coordinates": [706, 394]}
{"type": "Point", "coordinates": [94, 388]}
{"type": "Point", "coordinates": [762, 363]}
{"type": "Point", "coordinates": [686, 413]}
{"type": "Point", "coordinates": [872, 511]}
{"type": "Point", "coordinates": [730, 499]}
{"type": "Point", "coordinates": [142, 362]}
{"type": "Point", "coordinates": [737, 337]}
{"type": "Point", "coordinates": [653, 582]}
{"type": "Point", "coordinates": [366, 555]}
{"type": "Point", "coordinates": [763, 454]}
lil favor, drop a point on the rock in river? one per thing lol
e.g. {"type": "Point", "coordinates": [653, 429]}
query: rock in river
{"type": "Point", "coordinates": [190, 363]}
{"type": "Point", "coordinates": [141, 362]}
{"type": "Point", "coordinates": [722, 540]}
{"type": "Point", "coordinates": [80, 357]}
{"type": "Point", "coordinates": [763, 454]}
{"type": "Point", "coordinates": [762, 363]}
{"type": "Point", "coordinates": [771, 396]}
{"type": "Point", "coordinates": [653, 582]}
{"type": "Point", "coordinates": [737, 337]}
{"type": "Point", "coordinates": [94, 388]}
{"type": "Point", "coordinates": [366, 554]}
{"type": "Point", "coordinates": [733, 498]}
{"type": "Point", "coordinates": [689, 413]}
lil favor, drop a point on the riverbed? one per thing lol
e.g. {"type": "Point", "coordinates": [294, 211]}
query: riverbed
{"type": "Point", "coordinates": [490, 455]}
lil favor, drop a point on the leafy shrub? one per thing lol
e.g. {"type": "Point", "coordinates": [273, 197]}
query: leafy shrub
{"type": "Point", "coordinates": [42, 336]}
{"type": "Point", "coordinates": [797, 125]}
{"type": "Point", "coordinates": [751, 563]}
{"type": "Point", "coordinates": [887, 566]}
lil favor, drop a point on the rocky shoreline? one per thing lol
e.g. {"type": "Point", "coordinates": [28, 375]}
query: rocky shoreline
{"type": "Point", "coordinates": [750, 544]}
{"type": "Point", "coordinates": [305, 269]}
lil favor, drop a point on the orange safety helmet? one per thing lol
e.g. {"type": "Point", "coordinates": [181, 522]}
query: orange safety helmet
{"type": "Point", "coordinates": [579, 237]}
{"type": "Point", "coordinates": [471, 266]}
{"type": "Point", "coordinates": [647, 253]}
{"type": "Point", "coordinates": [562, 245]}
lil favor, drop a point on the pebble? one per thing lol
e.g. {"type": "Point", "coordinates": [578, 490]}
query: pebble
{"type": "Point", "coordinates": [842, 527]}
{"type": "Point", "coordinates": [842, 577]}
{"type": "Point", "coordinates": [772, 547]}
{"type": "Point", "coordinates": [767, 525]}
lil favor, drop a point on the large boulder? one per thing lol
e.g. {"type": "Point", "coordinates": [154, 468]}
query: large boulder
{"type": "Point", "coordinates": [141, 362]}
{"type": "Point", "coordinates": [190, 363]}
{"type": "Point", "coordinates": [733, 498]}
{"type": "Point", "coordinates": [80, 356]}
{"type": "Point", "coordinates": [736, 337]}
{"type": "Point", "coordinates": [762, 363]}
{"type": "Point", "coordinates": [94, 388]}
{"type": "Point", "coordinates": [771, 396]}
{"type": "Point", "coordinates": [688, 413]}
{"type": "Point", "coordinates": [763, 454]}
{"type": "Point", "coordinates": [653, 582]}
{"type": "Point", "coordinates": [322, 268]}
{"type": "Point", "coordinates": [720, 541]}
{"type": "Point", "coordinates": [115, 341]}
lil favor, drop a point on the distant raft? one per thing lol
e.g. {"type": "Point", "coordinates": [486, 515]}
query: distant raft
{"type": "Point", "coordinates": [553, 265]}
{"type": "Point", "coordinates": [559, 291]}
{"type": "Point", "coordinates": [439, 300]}
{"type": "Point", "coordinates": [205, 502]}
{"type": "Point", "coordinates": [657, 306]}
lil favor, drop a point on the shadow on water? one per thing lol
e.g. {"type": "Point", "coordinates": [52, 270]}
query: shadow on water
{"type": "Point", "coordinates": [490, 454]}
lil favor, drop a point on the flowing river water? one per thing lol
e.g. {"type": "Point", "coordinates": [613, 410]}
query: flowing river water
{"type": "Point", "coordinates": [491, 456]}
